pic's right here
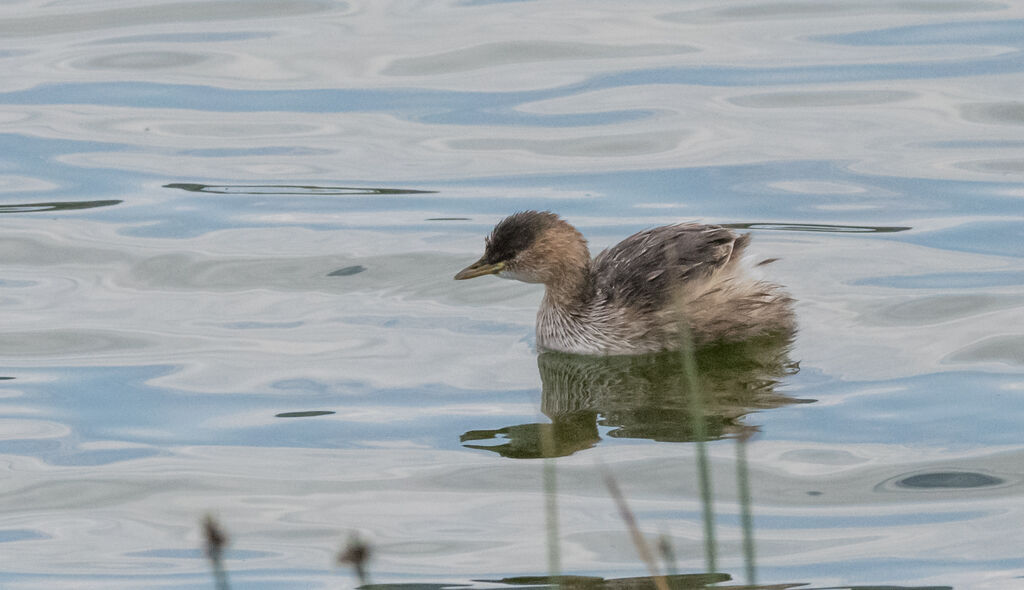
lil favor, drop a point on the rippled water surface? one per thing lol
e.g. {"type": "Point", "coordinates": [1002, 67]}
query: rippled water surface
{"type": "Point", "coordinates": [229, 231]}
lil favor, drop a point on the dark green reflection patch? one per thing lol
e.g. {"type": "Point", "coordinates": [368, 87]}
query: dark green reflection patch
{"type": "Point", "coordinates": [347, 271]}
{"type": "Point", "coordinates": [819, 227]}
{"type": "Point", "coordinates": [305, 414]}
{"type": "Point", "coordinates": [949, 480]}
{"type": "Point", "coordinates": [54, 206]}
{"type": "Point", "coordinates": [289, 189]}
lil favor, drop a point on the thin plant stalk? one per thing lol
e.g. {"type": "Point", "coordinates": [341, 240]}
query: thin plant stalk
{"type": "Point", "coordinates": [696, 399]}
{"type": "Point", "coordinates": [642, 549]}
{"type": "Point", "coordinates": [746, 515]}
{"type": "Point", "coordinates": [547, 444]}
{"type": "Point", "coordinates": [668, 555]}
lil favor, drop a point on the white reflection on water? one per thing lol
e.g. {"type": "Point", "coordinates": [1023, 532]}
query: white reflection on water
{"type": "Point", "coordinates": [491, 55]}
{"type": "Point", "coordinates": [463, 115]}
{"type": "Point", "coordinates": [143, 302]}
{"type": "Point", "coordinates": [60, 22]}
{"type": "Point", "coordinates": [155, 337]}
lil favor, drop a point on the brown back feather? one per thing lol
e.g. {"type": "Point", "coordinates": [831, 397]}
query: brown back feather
{"type": "Point", "coordinates": [645, 270]}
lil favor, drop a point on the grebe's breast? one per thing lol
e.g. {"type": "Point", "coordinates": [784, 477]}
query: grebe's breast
{"type": "Point", "coordinates": [582, 330]}
{"type": "Point", "coordinates": [600, 328]}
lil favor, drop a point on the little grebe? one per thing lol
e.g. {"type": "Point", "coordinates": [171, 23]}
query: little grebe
{"type": "Point", "coordinates": [655, 290]}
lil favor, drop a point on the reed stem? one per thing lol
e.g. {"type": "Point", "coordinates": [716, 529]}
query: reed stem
{"type": "Point", "coordinates": [547, 443]}
{"type": "Point", "coordinates": [746, 514]}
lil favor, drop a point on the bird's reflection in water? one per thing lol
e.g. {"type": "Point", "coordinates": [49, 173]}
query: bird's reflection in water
{"type": "Point", "coordinates": [646, 397]}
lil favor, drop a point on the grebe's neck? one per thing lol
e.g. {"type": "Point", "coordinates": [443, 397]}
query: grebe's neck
{"type": "Point", "coordinates": [569, 318]}
{"type": "Point", "coordinates": [571, 290]}
{"type": "Point", "coordinates": [560, 260]}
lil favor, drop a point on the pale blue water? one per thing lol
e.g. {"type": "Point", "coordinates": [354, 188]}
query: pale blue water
{"type": "Point", "coordinates": [228, 236]}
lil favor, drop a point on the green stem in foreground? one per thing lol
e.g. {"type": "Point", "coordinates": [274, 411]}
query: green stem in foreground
{"type": "Point", "coordinates": [696, 397]}
{"type": "Point", "coordinates": [642, 549]}
{"type": "Point", "coordinates": [547, 444]}
{"type": "Point", "coordinates": [746, 515]}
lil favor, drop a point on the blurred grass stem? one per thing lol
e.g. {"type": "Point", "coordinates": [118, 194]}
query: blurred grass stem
{"type": "Point", "coordinates": [646, 555]}
{"type": "Point", "coordinates": [746, 515]}
{"type": "Point", "coordinates": [547, 441]}
{"type": "Point", "coordinates": [216, 540]}
{"type": "Point", "coordinates": [700, 435]}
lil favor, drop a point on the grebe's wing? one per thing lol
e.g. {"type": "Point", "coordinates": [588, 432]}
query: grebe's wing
{"type": "Point", "coordinates": [645, 269]}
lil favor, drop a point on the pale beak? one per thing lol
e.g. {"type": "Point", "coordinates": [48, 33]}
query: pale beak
{"type": "Point", "coordinates": [479, 269]}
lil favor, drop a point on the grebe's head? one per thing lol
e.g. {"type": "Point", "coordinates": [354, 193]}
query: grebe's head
{"type": "Point", "coordinates": [533, 247]}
